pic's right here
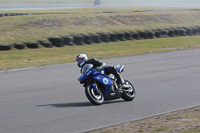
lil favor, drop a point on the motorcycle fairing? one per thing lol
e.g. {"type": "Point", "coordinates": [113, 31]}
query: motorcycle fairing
{"type": "Point", "coordinates": [86, 75]}
{"type": "Point", "coordinates": [105, 81]}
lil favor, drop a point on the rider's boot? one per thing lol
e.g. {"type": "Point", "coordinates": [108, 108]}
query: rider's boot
{"type": "Point", "coordinates": [120, 82]}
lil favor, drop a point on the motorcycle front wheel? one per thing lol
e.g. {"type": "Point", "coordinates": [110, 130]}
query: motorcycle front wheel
{"type": "Point", "coordinates": [95, 97]}
{"type": "Point", "coordinates": [129, 94]}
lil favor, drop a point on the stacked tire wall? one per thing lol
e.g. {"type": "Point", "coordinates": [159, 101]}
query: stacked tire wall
{"type": "Point", "coordinates": [105, 38]}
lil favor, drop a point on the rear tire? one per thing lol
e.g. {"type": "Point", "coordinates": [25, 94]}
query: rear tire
{"type": "Point", "coordinates": [96, 98]}
{"type": "Point", "coordinates": [129, 95]}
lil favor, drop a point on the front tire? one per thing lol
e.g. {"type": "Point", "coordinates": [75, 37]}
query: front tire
{"type": "Point", "coordinates": [96, 98]}
{"type": "Point", "coordinates": [129, 94]}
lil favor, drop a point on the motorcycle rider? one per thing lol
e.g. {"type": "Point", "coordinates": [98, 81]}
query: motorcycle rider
{"type": "Point", "coordinates": [82, 59]}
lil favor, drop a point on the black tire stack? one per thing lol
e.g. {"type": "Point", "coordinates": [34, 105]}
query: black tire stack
{"type": "Point", "coordinates": [46, 44]}
{"type": "Point", "coordinates": [5, 47]}
{"type": "Point", "coordinates": [104, 37]}
{"type": "Point", "coordinates": [31, 45]}
{"type": "Point", "coordinates": [87, 39]}
{"type": "Point", "coordinates": [56, 41]}
{"type": "Point", "coordinates": [78, 40]}
{"type": "Point", "coordinates": [68, 40]}
{"type": "Point", "coordinates": [19, 46]}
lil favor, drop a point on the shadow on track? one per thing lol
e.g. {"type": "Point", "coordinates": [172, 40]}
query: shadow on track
{"type": "Point", "coordinates": [79, 104]}
{"type": "Point", "coordinates": [65, 105]}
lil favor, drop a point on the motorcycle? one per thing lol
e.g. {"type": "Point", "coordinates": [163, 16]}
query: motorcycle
{"type": "Point", "coordinates": [100, 87]}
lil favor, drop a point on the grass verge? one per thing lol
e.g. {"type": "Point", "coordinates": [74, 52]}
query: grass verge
{"type": "Point", "coordinates": [31, 28]}
{"type": "Point", "coordinates": [46, 56]}
{"type": "Point", "coordinates": [183, 121]}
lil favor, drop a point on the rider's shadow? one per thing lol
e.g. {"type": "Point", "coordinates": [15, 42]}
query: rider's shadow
{"type": "Point", "coordinates": [77, 104]}
{"type": "Point", "coordinates": [65, 105]}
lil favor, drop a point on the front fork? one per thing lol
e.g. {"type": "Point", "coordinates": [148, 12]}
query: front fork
{"type": "Point", "coordinates": [94, 85]}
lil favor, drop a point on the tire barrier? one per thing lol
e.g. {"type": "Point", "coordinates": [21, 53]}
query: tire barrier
{"type": "Point", "coordinates": [32, 45]}
{"type": "Point", "coordinates": [188, 31]}
{"type": "Point", "coordinates": [157, 33]}
{"type": "Point", "coordinates": [150, 34]}
{"type": "Point", "coordinates": [142, 34]}
{"type": "Point", "coordinates": [171, 33]}
{"type": "Point", "coordinates": [194, 31]}
{"type": "Point", "coordinates": [19, 46]}
{"type": "Point", "coordinates": [121, 36]}
{"type": "Point", "coordinates": [68, 40]}
{"type": "Point", "coordinates": [96, 38]}
{"type": "Point", "coordinates": [106, 37]}
{"type": "Point", "coordinates": [164, 33]}
{"type": "Point", "coordinates": [113, 37]}
{"type": "Point", "coordinates": [128, 35]}
{"type": "Point", "coordinates": [136, 35]}
{"type": "Point", "coordinates": [19, 14]}
{"type": "Point", "coordinates": [182, 32]}
{"type": "Point", "coordinates": [13, 14]}
{"type": "Point", "coordinates": [5, 47]}
{"type": "Point", "coordinates": [78, 40]}
{"type": "Point", "coordinates": [58, 42]}
{"type": "Point", "coordinates": [46, 44]}
{"type": "Point", "coordinates": [87, 39]}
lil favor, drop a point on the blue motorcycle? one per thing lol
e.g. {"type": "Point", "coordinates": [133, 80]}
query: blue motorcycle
{"type": "Point", "coordinates": [100, 87]}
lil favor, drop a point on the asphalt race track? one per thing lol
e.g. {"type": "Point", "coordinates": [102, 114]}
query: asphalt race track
{"type": "Point", "coordinates": [49, 99]}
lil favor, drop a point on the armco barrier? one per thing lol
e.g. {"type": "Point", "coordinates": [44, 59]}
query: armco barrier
{"type": "Point", "coordinates": [107, 37]}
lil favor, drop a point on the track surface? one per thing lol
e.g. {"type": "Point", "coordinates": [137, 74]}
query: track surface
{"type": "Point", "coordinates": [49, 99]}
{"type": "Point", "coordinates": [83, 5]}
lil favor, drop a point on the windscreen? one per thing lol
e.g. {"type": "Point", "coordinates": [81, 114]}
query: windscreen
{"type": "Point", "coordinates": [86, 67]}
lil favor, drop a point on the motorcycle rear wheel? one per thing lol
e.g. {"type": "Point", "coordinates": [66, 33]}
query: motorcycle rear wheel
{"type": "Point", "coordinates": [96, 98]}
{"type": "Point", "coordinates": [129, 95]}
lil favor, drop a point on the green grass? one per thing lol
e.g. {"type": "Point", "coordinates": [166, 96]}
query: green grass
{"type": "Point", "coordinates": [46, 56]}
{"type": "Point", "coordinates": [32, 28]}
{"type": "Point", "coordinates": [159, 129]}
{"type": "Point", "coordinates": [192, 130]}
{"type": "Point", "coordinates": [39, 27]}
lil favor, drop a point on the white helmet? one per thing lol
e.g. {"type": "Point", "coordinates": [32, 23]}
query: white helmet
{"type": "Point", "coordinates": [81, 59]}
